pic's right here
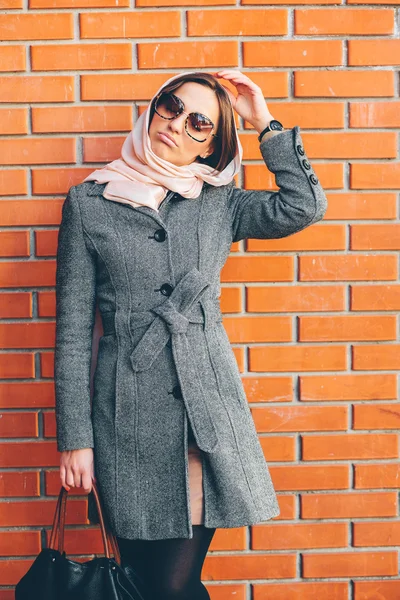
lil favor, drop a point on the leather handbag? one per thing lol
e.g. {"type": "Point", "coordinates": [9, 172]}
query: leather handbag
{"type": "Point", "coordinates": [53, 576]}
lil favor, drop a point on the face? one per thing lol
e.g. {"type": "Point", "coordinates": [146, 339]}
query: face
{"type": "Point", "coordinates": [185, 150]}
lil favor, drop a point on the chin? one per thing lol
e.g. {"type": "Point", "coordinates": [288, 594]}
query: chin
{"type": "Point", "coordinates": [165, 152]}
{"type": "Point", "coordinates": [161, 149]}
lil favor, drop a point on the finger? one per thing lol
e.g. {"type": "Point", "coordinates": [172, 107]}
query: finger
{"type": "Point", "coordinates": [230, 74]}
{"type": "Point", "coordinates": [70, 478]}
{"type": "Point", "coordinates": [223, 71]}
{"type": "Point", "coordinates": [62, 474]}
{"type": "Point", "coordinates": [62, 478]}
{"type": "Point", "coordinates": [237, 78]}
{"type": "Point", "coordinates": [86, 481]}
{"type": "Point", "coordinates": [78, 479]}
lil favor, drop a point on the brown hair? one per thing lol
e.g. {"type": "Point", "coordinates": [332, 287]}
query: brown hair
{"type": "Point", "coordinates": [225, 146]}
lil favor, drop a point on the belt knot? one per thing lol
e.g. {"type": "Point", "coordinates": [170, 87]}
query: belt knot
{"type": "Point", "coordinates": [175, 321]}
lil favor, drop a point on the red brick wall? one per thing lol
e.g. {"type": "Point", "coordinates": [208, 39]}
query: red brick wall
{"type": "Point", "coordinates": [313, 318]}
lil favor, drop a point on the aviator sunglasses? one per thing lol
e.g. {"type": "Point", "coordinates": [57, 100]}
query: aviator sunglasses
{"type": "Point", "coordinates": [197, 126]}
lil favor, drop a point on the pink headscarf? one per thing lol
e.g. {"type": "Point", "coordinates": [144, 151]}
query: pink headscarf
{"type": "Point", "coordinates": [140, 177]}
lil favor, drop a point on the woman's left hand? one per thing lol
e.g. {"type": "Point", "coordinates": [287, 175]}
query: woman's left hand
{"type": "Point", "coordinates": [249, 103]}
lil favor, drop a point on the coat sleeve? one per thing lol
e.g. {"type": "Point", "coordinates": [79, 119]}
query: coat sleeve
{"type": "Point", "coordinates": [299, 201]}
{"type": "Point", "coordinates": [75, 317]}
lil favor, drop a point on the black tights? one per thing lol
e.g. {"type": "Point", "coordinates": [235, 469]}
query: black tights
{"type": "Point", "coordinates": [171, 567]}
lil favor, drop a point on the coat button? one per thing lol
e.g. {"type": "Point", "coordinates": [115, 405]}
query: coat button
{"type": "Point", "coordinates": [177, 392]}
{"type": "Point", "coordinates": [313, 179]}
{"type": "Point", "coordinates": [166, 289]}
{"type": "Point", "coordinates": [306, 164]}
{"type": "Point", "coordinates": [300, 150]}
{"type": "Point", "coordinates": [160, 235]}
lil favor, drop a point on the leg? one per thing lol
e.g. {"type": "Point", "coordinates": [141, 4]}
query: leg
{"type": "Point", "coordinates": [172, 567]}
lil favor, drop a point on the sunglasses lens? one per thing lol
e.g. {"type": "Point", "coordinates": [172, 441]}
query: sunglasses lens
{"type": "Point", "coordinates": [167, 106]}
{"type": "Point", "coordinates": [199, 126]}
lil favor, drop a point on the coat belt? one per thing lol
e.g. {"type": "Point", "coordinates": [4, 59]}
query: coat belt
{"type": "Point", "coordinates": [171, 319]}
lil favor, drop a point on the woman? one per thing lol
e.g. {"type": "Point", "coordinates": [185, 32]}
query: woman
{"type": "Point", "coordinates": [170, 439]}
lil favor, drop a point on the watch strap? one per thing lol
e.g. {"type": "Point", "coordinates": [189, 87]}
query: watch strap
{"type": "Point", "coordinates": [268, 128]}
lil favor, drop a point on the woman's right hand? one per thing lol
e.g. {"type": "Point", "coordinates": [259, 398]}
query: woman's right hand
{"type": "Point", "coordinates": [77, 469]}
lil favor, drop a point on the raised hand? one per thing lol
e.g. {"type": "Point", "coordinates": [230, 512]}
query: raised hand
{"type": "Point", "coordinates": [249, 103]}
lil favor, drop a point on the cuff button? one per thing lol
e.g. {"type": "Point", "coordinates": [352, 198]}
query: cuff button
{"type": "Point", "coordinates": [313, 179]}
{"type": "Point", "coordinates": [300, 150]}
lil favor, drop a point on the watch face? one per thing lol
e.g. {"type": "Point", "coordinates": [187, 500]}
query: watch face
{"type": "Point", "coordinates": [274, 124]}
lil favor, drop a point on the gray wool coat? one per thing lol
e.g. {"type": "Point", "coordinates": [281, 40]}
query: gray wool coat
{"type": "Point", "coordinates": [165, 368]}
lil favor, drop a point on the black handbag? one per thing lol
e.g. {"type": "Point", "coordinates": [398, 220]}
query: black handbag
{"type": "Point", "coordinates": [53, 576]}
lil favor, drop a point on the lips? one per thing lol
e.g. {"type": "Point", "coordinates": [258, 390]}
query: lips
{"type": "Point", "coordinates": [167, 139]}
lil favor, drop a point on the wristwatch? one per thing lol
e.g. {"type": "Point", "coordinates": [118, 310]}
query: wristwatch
{"type": "Point", "coordinates": [274, 125]}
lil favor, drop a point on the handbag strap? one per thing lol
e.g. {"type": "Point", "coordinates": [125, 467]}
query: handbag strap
{"type": "Point", "coordinates": [56, 518]}
{"type": "Point", "coordinates": [57, 531]}
{"type": "Point", "coordinates": [114, 545]}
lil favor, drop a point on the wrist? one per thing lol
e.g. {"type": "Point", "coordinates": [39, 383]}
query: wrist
{"type": "Point", "coordinates": [260, 125]}
{"type": "Point", "coordinates": [270, 134]}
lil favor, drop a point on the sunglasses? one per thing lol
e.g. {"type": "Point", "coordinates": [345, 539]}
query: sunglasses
{"type": "Point", "coordinates": [197, 126]}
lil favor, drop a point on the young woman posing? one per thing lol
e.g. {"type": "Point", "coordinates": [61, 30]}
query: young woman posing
{"type": "Point", "coordinates": [169, 436]}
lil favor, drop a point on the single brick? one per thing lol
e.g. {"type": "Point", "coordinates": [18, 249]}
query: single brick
{"type": "Point", "coordinates": [347, 328]}
{"type": "Point", "coordinates": [135, 86]}
{"type": "Point", "coordinates": [374, 52]}
{"type": "Point", "coordinates": [297, 358]}
{"type": "Point", "coordinates": [293, 53]}
{"type": "Point", "coordinates": [78, 3]}
{"type": "Point", "coordinates": [375, 176]}
{"type": "Point", "coordinates": [374, 114]}
{"type": "Point", "coordinates": [361, 205]}
{"type": "Point", "coordinates": [349, 446]}
{"type": "Point", "coordinates": [12, 58]}
{"type": "Point", "coordinates": [350, 564]}
{"type": "Point", "coordinates": [172, 55]}
{"type": "Point", "coordinates": [57, 180]}
{"type": "Point", "coordinates": [108, 25]}
{"type": "Point", "coordinates": [375, 297]}
{"type": "Point", "coordinates": [39, 26]}
{"type": "Point", "coordinates": [245, 330]}
{"type": "Point", "coordinates": [348, 387]}
{"type": "Point", "coordinates": [376, 416]}
{"type": "Point", "coordinates": [295, 298]}
{"type": "Point", "coordinates": [13, 182]}
{"type": "Point", "coordinates": [348, 267]}
{"type": "Point", "coordinates": [379, 475]}
{"type": "Point", "coordinates": [300, 418]}
{"type": "Point", "coordinates": [71, 119]}
{"type": "Point", "coordinates": [344, 21]}
{"type": "Point", "coordinates": [75, 57]}
{"type": "Point", "coordinates": [13, 121]}
{"type": "Point", "coordinates": [347, 84]}
{"type": "Point", "coordinates": [29, 89]}
{"type": "Point", "coordinates": [237, 22]}
{"type": "Point", "coordinates": [37, 151]}
{"type": "Point", "coordinates": [376, 357]}
{"type": "Point", "coordinates": [257, 268]}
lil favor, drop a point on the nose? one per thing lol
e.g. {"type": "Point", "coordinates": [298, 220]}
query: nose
{"type": "Point", "coordinates": [177, 124]}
